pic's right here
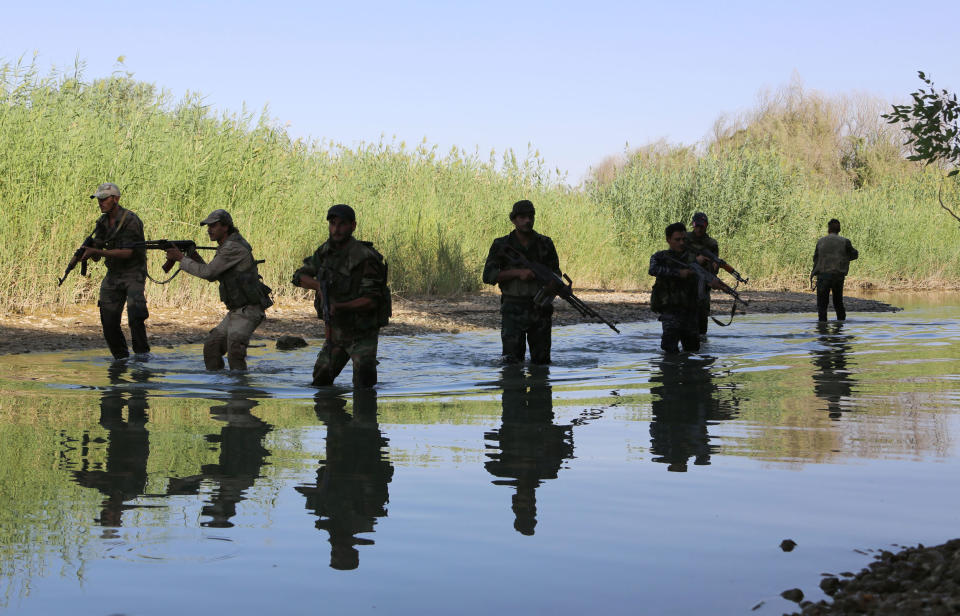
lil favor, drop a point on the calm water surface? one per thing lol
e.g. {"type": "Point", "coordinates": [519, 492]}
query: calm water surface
{"type": "Point", "coordinates": [614, 480]}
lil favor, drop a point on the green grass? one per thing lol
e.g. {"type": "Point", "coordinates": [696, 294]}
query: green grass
{"type": "Point", "coordinates": [432, 214]}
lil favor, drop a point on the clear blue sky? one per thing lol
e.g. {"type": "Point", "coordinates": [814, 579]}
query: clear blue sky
{"type": "Point", "coordinates": [577, 80]}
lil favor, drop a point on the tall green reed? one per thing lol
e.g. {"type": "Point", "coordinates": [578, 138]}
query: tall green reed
{"type": "Point", "coordinates": [432, 214]}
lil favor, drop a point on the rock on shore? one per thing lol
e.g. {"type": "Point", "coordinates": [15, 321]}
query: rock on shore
{"type": "Point", "coordinates": [920, 580]}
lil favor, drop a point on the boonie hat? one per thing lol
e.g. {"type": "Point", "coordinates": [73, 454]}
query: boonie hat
{"type": "Point", "coordinates": [524, 206]}
{"type": "Point", "coordinates": [107, 189]}
{"type": "Point", "coordinates": [699, 219]}
{"type": "Point", "coordinates": [343, 212]}
{"type": "Point", "coordinates": [218, 216]}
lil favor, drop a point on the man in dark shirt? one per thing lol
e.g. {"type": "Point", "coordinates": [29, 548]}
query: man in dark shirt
{"type": "Point", "coordinates": [126, 272]}
{"type": "Point", "coordinates": [675, 293]}
{"type": "Point", "coordinates": [522, 321]}
{"type": "Point", "coordinates": [355, 276]}
{"type": "Point", "coordinates": [697, 240]}
{"type": "Point", "coordinates": [831, 262]}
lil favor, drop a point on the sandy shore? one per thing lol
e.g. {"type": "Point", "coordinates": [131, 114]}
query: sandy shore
{"type": "Point", "coordinates": [79, 328]}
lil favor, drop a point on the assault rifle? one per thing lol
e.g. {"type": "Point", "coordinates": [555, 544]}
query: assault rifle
{"type": "Point", "coordinates": [707, 278]}
{"type": "Point", "coordinates": [78, 258]}
{"type": "Point", "coordinates": [553, 286]}
{"type": "Point", "coordinates": [185, 246]}
{"type": "Point", "coordinates": [723, 265]}
{"type": "Point", "coordinates": [324, 281]}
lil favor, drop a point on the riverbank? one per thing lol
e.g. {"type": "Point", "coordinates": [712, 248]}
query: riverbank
{"type": "Point", "coordinates": [79, 327]}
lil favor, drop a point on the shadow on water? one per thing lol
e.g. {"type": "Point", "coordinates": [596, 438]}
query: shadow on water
{"type": "Point", "coordinates": [832, 380]}
{"type": "Point", "coordinates": [528, 447]}
{"type": "Point", "coordinates": [122, 478]}
{"type": "Point", "coordinates": [685, 401]}
{"type": "Point", "coordinates": [350, 491]}
{"type": "Point", "coordinates": [242, 457]}
{"type": "Point", "coordinates": [159, 459]}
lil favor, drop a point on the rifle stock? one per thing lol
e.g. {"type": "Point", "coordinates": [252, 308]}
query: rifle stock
{"type": "Point", "coordinates": [554, 286]}
{"type": "Point", "coordinates": [723, 265]}
{"type": "Point", "coordinates": [706, 277]}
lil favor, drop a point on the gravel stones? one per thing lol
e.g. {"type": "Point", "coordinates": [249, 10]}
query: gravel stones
{"type": "Point", "coordinates": [920, 580]}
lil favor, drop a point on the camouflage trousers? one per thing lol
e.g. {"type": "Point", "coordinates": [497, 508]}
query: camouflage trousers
{"type": "Point", "coordinates": [342, 346]}
{"type": "Point", "coordinates": [232, 336]}
{"type": "Point", "coordinates": [680, 327]}
{"type": "Point", "coordinates": [522, 325]}
{"type": "Point", "coordinates": [116, 290]}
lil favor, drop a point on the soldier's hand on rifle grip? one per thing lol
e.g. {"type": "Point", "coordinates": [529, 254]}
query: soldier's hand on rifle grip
{"type": "Point", "coordinates": [174, 254]}
{"type": "Point", "coordinates": [685, 272]}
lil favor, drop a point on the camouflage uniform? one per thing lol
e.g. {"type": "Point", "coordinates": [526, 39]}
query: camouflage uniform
{"type": "Point", "coordinates": [123, 284]}
{"type": "Point", "coordinates": [831, 262]}
{"type": "Point", "coordinates": [244, 295]}
{"type": "Point", "coordinates": [675, 298]}
{"type": "Point", "coordinates": [696, 244]}
{"type": "Point", "coordinates": [522, 322]}
{"type": "Point", "coordinates": [353, 270]}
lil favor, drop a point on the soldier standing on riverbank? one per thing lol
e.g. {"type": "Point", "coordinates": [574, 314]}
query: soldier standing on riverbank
{"type": "Point", "coordinates": [696, 241]}
{"type": "Point", "coordinates": [674, 294]}
{"type": "Point", "coordinates": [831, 262]}
{"type": "Point", "coordinates": [522, 321]}
{"type": "Point", "coordinates": [353, 299]}
{"type": "Point", "coordinates": [126, 272]}
{"type": "Point", "coordinates": [241, 290]}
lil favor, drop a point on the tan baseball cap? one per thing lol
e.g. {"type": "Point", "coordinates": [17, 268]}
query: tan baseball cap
{"type": "Point", "coordinates": [107, 189]}
{"type": "Point", "coordinates": [218, 216]}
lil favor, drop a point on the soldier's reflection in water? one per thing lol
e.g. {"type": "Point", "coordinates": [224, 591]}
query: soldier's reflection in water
{"type": "Point", "coordinates": [351, 488]}
{"type": "Point", "coordinates": [242, 457]}
{"type": "Point", "coordinates": [685, 401]}
{"type": "Point", "coordinates": [832, 379]}
{"type": "Point", "coordinates": [528, 447]}
{"type": "Point", "coordinates": [123, 475]}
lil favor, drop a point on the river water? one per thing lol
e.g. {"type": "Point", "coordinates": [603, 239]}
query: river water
{"type": "Point", "coordinates": [615, 480]}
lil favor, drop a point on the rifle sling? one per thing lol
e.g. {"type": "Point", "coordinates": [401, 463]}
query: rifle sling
{"type": "Point", "coordinates": [164, 281]}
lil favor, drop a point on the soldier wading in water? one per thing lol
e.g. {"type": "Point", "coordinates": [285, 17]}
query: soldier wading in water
{"type": "Point", "coordinates": [241, 290]}
{"type": "Point", "coordinates": [353, 299]}
{"type": "Point", "coordinates": [126, 272]}
{"type": "Point", "coordinates": [675, 293]}
{"type": "Point", "coordinates": [522, 321]}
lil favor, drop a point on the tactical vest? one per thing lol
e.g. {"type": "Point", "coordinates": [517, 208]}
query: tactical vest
{"type": "Point", "coordinates": [832, 255]}
{"type": "Point", "coordinates": [673, 294]}
{"type": "Point", "coordinates": [538, 252]}
{"type": "Point", "coordinates": [345, 286]}
{"type": "Point", "coordinates": [242, 285]}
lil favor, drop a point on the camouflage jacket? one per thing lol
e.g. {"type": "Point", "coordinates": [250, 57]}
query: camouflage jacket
{"type": "Point", "coordinates": [671, 292]}
{"type": "Point", "coordinates": [696, 244]}
{"type": "Point", "coordinates": [127, 231]}
{"type": "Point", "coordinates": [235, 268]}
{"type": "Point", "coordinates": [833, 255]}
{"type": "Point", "coordinates": [354, 270]}
{"type": "Point", "coordinates": [540, 250]}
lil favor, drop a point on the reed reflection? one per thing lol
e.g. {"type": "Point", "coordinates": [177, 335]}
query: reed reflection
{"type": "Point", "coordinates": [242, 458]}
{"type": "Point", "coordinates": [528, 447]}
{"type": "Point", "coordinates": [351, 491]}
{"type": "Point", "coordinates": [122, 476]}
{"type": "Point", "coordinates": [832, 380]}
{"type": "Point", "coordinates": [685, 401]}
